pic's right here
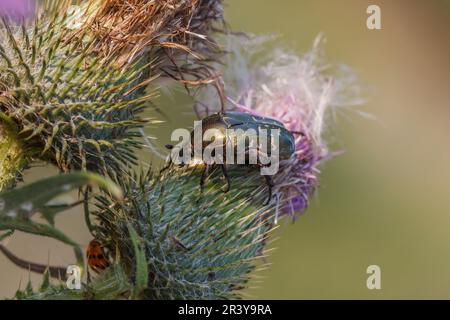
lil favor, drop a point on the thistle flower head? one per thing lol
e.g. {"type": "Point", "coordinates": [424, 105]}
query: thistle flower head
{"type": "Point", "coordinates": [296, 90]}
{"type": "Point", "coordinates": [174, 33]}
{"type": "Point", "coordinates": [72, 110]}
{"type": "Point", "coordinates": [194, 246]}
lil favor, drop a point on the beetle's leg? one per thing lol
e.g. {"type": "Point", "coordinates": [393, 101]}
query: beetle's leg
{"type": "Point", "coordinates": [268, 179]}
{"type": "Point", "coordinates": [181, 155]}
{"type": "Point", "coordinates": [203, 178]}
{"type": "Point", "coordinates": [167, 166]}
{"type": "Point", "coordinates": [225, 174]}
{"type": "Point", "coordinates": [169, 160]}
{"type": "Point", "coordinates": [221, 91]}
{"type": "Point", "coordinates": [269, 183]}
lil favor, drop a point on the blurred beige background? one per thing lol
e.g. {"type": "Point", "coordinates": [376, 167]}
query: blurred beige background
{"type": "Point", "coordinates": [386, 201]}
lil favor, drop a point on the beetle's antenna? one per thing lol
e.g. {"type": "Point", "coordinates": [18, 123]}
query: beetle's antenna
{"type": "Point", "coordinates": [221, 91]}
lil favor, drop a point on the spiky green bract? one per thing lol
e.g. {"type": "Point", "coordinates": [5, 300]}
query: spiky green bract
{"type": "Point", "coordinates": [13, 156]}
{"type": "Point", "coordinates": [111, 285]}
{"type": "Point", "coordinates": [194, 246]}
{"type": "Point", "coordinates": [76, 112]}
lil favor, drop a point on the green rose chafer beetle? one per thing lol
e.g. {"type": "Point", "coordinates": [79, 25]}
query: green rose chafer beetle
{"type": "Point", "coordinates": [242, 123]}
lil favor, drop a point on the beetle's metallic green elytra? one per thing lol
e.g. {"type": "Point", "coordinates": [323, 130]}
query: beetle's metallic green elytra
{"type": "Point", "coordinates": [245, 121]}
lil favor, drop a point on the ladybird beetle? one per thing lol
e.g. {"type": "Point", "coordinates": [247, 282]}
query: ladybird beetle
{"type": "Point", "coordinates": [96, 257]}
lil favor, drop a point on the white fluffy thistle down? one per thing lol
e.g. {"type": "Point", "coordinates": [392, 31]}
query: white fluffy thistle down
{"type": "Point", "coordinates": [301, 91]}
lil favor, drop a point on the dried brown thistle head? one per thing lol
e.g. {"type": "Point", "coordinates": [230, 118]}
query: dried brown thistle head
{"type": "Point", "coordinates": [175, 34]}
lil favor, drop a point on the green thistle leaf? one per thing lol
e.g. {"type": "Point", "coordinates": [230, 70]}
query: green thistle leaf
{"type": "Point", "coordinates": [17, 206]}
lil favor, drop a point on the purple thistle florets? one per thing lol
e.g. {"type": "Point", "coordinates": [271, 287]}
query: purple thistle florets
{"type": "Point", "coordinates": [17, 9]}
{"type": "Point", "coordinates": [295, 90]}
